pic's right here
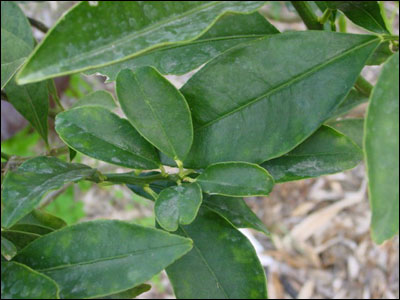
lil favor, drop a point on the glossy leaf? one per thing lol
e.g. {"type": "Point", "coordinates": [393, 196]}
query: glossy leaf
{"type": "Point", "coordinates": [21, 282]}
{"type": "Point", "coordinates": [16, 40]}
{"type": "Point", "coordinates": [230, 30]}
{"type": "Point", "coordinates": [157, 186]}
{"type": "Point", "coordinates": [44, 219]}
{"type": "Point", "coordinates": [381, 142]}
{"type": "Point", "coordinates": [178, 205]}
{"type": "Point", "coordinates": [157, 110]}
{"type": "Point", "coordinates": [101, 134]}
{"type": "Point", "coordinates": [32, 102]}
{"type": "Point", "coordinates": [381, 54]}
{"type": "Point", "coordinates": [261, 99]}
{"type": "Point", "coordinates": [84, 259]}
{"type": "Point", "coordinates": [97, 98]}
{"type": "Point", "coordinates": [325, 152]}
{"type": "Point", "coordinates": [29, 228]}
{"type": "Point", "coordinates": [23, 189]}
{"type": "Point", "coordinates": [20, 239]}
{"type": "Point", "coordinates": [366, 14]}
{"type": "Point", "coordinates": [237, 179]}
{"type": "Point", "coordinates": [8, 249]}
{"type": "Point", "coordinates": [129, 294]}
{"type": "Point", "coordinates": [353, 99]}
{"type": "Point", "coordinates": [353, 128]}
{"type": "Point", "coordinates": [141, 26]}
{"type": "Point", "coordinates": [236, 211]}
{"type": "Point", "coordinates": [222, 263]}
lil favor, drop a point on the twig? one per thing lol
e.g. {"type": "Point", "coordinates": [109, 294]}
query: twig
{"type": "Point", "coordinates": [38, 25]}
{"type": "Point", "coordinates": [307, 15]}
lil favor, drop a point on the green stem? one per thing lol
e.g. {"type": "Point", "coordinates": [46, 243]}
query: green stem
{"type": "Point", "coordinates": [305, 12]}
{"type": "Point", "coordinates": [131, 178]}
{"type": "Point", "coordinates": [363, 86]}
{"type": "Point", "coordinates": [342, 24]}
{"type": "Point", "coordinates": [53, 92]}
{"type": "Point", "coordinates": [149, 191]}
{"type": "Point", "coordinates": [327, 13]}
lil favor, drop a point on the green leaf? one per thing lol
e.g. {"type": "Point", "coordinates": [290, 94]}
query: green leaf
{"type": "Point", "coordinates": [230, 30]}
{"type": "Point", "coordinates": [366, 14]}
{"type": "Point", "coordinates": [245, 108]}
{"type": "Point", "coordinates": [44, 219]}
{"type": "Point", "coordinates": [178, 205]}
{"type": "Point", "coordinates": [84, 259]}
{"type": "Point", "coordinates": [353, 128]}
{"type": "Point", "coordinates": [222, 264]}
{"type": "Point", "coordinates": [325, 152]}
{"type": "Point", "coordinates": [32, 102]}
{"type": "Point", "coordinates": [236, 211]}
{"type": "Point", "coordinates": [23, 189]}
{"type": "Point", "coordinates": [72, 154]}
{"type": "Point", "coordinates": [381, 54]}
{"type": "Point", "coordinates": [20, 238]}
{"type": "Point", "coordinates": [381, 142]}
{"type": "Point", "coordinates": [16, 40]}
{"type": "Point", "coordinates": [8, 249]}
{"type": "Point", "coordinates": [237, 179]}
{"type": "Point", "coordinates": [29, 228]}
{"type": "Point", "coordinates": [353, 99]}
{"type": "Point", "coordinates": [157, 110]}
{"type": "Point", "coordinates": [21, 282]}
{"type": "Point", "coordinates": [129, 294]}
{"type": "Point", "coordinates": [101, 134]}
{"type": "Point", "coordinates": [141, 26]}
{"type": "Point", "coordinates": [97, 98]}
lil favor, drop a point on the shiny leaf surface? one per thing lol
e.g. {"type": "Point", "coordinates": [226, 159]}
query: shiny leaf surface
{"type": "Point", "coordinates": [100, 258]}
{"type": "Point", "coordinates": [381, 142]}
{"type": "Point", "coordinates": [325, 152]}
{"type": "Point", "coordinates": [157, 110]}
{"type": "Point", "coordinates": [21, 282]}
{"type": "Point", "coordinates": [178, 205]}
{"type": "Point", "coordinates": [261, 99]}
{"type": "Point", "coordinates": [141, 26]}
{"type": "Point", "coordinates": [235, 179]}
{"type": "Point", "coordinates": [129, 294]}
{"type": "Point", "coordinates": [23, 189]}
{"type": "Point", "coordinates": [352, 128]}
{"type": "Point", "coordinates": [101, 134]}
{"type": "Point", "coordinates": [229, 31]}
{"type": "Point", "coordinates": [97, 98]}
{"type": "Point", "coordinates": [221, 265]}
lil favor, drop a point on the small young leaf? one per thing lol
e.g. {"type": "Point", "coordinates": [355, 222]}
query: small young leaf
{"type": "Point", "coordinates": [157, 110]}
{"type": "Point", "coordinates": [230, 30]}
{"type": "Point", "coordinates": [8, 249]}
{"type": "Point", "coordinates": [97, 98]}
{"type": "Point", "coordinates": [140, 27]}
{"type": "Point", "coordinates": [325, 152]}
{"type": "Point", "coordinates": [129, 294]}
{"type": "Point", "coordinates": [101, 134]}
{"type": "Point", "coordinates": [381, 143]}
{"type": "Point", "coordinates": [84, 259]}
{"type": "Point", "coordinates": [366, 14]}
{"type": "Point", "coordinates": [352, 128]}
{"type": "Point", "coordinates": [23, 189]}
{"type": "Point", "coordinates": [238, 179]}
{"type": "Point", "coordinates": [178, 205]}
{"type": "Point", "coordinates": [222, 264]}
{"type": "Point", "coordinates": [236, 211]}
{"type": "Point", "coordinates": [16, 40]}
{"type": "Point", "coordinates": [21, 282]}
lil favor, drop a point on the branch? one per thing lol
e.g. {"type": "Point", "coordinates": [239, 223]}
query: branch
{"type": "Point", "coordinates": [38, 25]}
{"type": "Point", "coordinates": [307, 15]}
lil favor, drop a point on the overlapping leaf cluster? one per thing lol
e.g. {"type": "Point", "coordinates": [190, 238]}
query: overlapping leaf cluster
{"type": "Point", "coordinates": [262, 110]}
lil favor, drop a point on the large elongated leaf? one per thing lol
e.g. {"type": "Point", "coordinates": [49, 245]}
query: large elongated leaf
{"type": "Point", "coordinates": [84, 259]}
{"type": "Point", "coordinates": [230, 30]}
{"type": "Point", "coordinates": [325, 152]}
{"type": "Point", "coordinates": [16, 40]}
{"type": "Point", "coordinates": [221, 265]}
{"type": "Point", "coordinates": [99, 133]}
{"type": "Point", "coordinates": [97, 98]}
{"type": "Point", "coordinates": [23, 189]}
{"type": "Point", "coordinates": [32, 102]}
{"type": "Point", "coordinates": [246, 108]}
{"type": "Point", "coordinates": [178, 205]}
{"type": "Point", "coordinates": [236, 179]}
{"type": "Point", "coordinates": [381, 142]}
{"type": "Point", "coordinates": [353, 128]}
{"type": "Point", "coordinates": [21, 282]}
{"type": "Point", "coordinates": [113, 31]}
{"type": "Point", "coordinates": [157, 110]}
{"type": "Point", "coordinates": [236, 211]}
{"type": "Point", "coordinates": [129, 294]}
{"type": "Point", "coordinates": [366, 14]}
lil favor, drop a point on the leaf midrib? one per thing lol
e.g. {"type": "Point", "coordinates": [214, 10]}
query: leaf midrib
{"type": "Point", "coordinates": [286, 83]}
